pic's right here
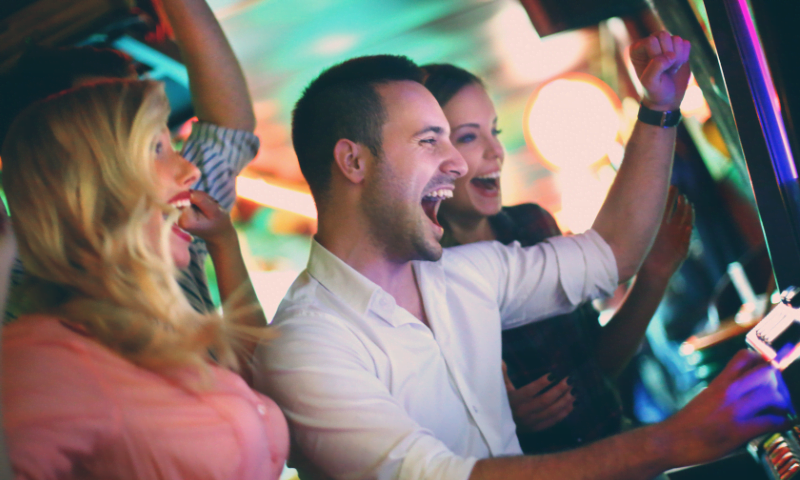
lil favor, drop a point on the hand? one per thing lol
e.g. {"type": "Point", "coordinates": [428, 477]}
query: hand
{"type": "Point", "coordinates": [743, 402]}
{"type": "Point", "coordinates": [662, 65]}
{"type": "Point", "coordinates": [534, 411]}
{"type": "Point", "coordinates": [671, 246]}
{"type": "Point", "coordinates": [206, 219]}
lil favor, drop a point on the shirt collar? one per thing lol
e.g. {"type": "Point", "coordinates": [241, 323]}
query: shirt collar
{"type": "Point", "coordinates": [342, 280]}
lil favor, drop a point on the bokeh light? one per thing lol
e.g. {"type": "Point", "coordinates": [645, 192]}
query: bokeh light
{"type": "Point", "coordinates": [573, 121]}
{"type": "Point", "coordinates": [259, 191]}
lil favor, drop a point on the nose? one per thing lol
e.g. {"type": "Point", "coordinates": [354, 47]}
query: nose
{"type": "Point", "coordinates": [187, 174]}
{"type": "Point", "coordinates": [494, 150]}
{"type": "Point", "coordinates": [455, 164]}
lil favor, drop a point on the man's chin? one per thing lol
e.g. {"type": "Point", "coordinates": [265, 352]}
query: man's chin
{"type": "Point", "coordinates": [430, 251]}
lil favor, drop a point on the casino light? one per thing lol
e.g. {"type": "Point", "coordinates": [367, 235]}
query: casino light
{"type": "Point", "coordinates": [694, 103]}
{"type": "Point", "coordinates": [273, 196]}
{"type": "Point", "coordinates": [572, 121]}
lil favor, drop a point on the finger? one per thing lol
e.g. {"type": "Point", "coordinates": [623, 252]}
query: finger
{"type": "Point", "coordinates": [545, 400]}
{"type": "Point", "coordinates": [686, 49]}
{"type": "Point", "coordinates": [671, 194]}
{"type": "Point", "coordinates": [682, 211]}
{"type": "Point", "coordinates": [506, 380]}
{"type": "Point", "coordinates": [532, 389]}
{"type": "Point", "coordinates": [643, 51]}
{"type": "Point", "coordinates": [652, 46]}
{"type": "Point", "coordinates": [205, 202]}
{"type": "Point", "coordinates": [552, 416]}
{"type": "Point", "coordinates": [763, 380]}
{"type": "Point", "coordinates": [761, 425]}
{"type": "Point", "coordinates": [679, 48]}
{"type": "Point", "coordinates": [656, 67]}
{"type": "Point", "coordinates": [680, 206]}
{"type": "Point", "coordinates": [665, 42]}
{"type": "Point", "coordinates": [762, 401]}
{"type": "Point", "coordinates": [741, 363]}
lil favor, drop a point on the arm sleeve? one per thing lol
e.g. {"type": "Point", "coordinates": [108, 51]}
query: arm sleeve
{"type": "Point", "coordinates": [221, 154]}
{"type": "Point", "coordinates": [55, 411]}
{"type": "Point", "coordinates": [546, 279]}
{"type": "Point", "coordinates": [342, 417]}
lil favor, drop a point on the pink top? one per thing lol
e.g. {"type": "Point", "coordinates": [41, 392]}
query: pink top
{"type": "Point", "coordinates": [74, 409]}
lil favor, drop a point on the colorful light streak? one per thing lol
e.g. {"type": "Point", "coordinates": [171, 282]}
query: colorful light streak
{"type": "Point", "coordinates": [273, 196]}
{"type": "Point", "coordinates": [769, 107]}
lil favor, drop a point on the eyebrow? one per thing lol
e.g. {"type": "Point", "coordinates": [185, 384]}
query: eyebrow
{"type": "Point", "coordinates": [473, 125]}
{"type": "Point", "coordinates": [432, 128]}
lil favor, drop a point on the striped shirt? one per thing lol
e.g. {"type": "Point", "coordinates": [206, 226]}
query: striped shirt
{"type": "Point", "coordinates": [220, 154]}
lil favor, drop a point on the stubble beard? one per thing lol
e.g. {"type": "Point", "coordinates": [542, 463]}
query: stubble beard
{"type": "Point", "coordinates": [394, 223]}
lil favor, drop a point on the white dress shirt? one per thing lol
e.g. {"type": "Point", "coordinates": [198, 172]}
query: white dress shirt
{"type": "Point", "coordinates": [372, 392]}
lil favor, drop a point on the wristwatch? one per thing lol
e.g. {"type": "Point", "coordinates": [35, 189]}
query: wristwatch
{"type": "Point", "coordinates": [666, 119]}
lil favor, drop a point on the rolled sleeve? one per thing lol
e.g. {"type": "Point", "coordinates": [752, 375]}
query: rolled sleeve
{"type": "Point", "coordinates": [586, 265]}
{"type": "Point", "coordinates": [342, 416]}
{"type": "Point", "coordinates": [221, 154]}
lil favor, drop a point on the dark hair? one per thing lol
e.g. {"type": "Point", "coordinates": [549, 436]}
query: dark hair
{"type": "Point", "coordinates": [444, 80]}
{"type": "Point", "coordinates": [342, 102]}
{"type": "Point", "coordinates": [43, 71]}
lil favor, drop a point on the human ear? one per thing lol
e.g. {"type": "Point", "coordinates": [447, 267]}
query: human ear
{"type": "Point", "coordinates": [350, 159]}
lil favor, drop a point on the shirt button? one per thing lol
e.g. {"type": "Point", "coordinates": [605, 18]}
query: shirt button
{"type": "Point", "coordinates": [261, 409]}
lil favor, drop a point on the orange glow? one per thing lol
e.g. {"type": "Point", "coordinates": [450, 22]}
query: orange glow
{"type": "Point", "coordinates": [525, 57]}
{"type": "Point", "coordinates": [271, 287]}
{"type": "Point", "coordinates": [572, 121]}
{"type": "Point", "coordinates": [694, 103]}
{"type": "Point", "coordinates": [582, 193]}
{"type": "Point", "coordinates": [261, 192]}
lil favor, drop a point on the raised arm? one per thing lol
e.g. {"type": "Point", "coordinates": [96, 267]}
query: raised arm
{"type": "Point", "coordinates": [209, 221]}
{"type": "Point", "coordinates": [742, 403]}
{"type": "Point", "coordinates": [620, 339]}
{"type": "Point", "coordinates": [219, 90]}
{"type": "Point", "coordinates": [629, 218]}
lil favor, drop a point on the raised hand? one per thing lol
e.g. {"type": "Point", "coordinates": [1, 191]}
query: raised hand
{"type": "Point", "coordinates": [746, 400]}
{"type": "Point", "coordinates": [206, 219]}
{"type": "Point", "coordinates": [671, 246]}
{"type": "Point", "coordinates": [662, 65]}
{"type": "Point", "coordinates": [535, 410]}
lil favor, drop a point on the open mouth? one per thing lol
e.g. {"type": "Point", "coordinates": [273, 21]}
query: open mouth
{"type": "Point", "coordinates": [181, 201]}
{"type": "Point", "coordinates": [489, 183]}
{"type": "Point", "coordinates": [432, 201]}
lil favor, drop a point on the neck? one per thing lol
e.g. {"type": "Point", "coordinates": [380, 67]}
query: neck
{"type": "Point", "coordinates": [470, 229]}
{"type": "Point", "coordinates": [355, 246]}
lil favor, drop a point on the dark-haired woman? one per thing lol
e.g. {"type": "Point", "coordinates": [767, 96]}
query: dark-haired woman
{"type": "Point", "coordinates": [559, 369]}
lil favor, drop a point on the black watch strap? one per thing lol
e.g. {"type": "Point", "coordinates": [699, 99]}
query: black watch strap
{"type": "Point", "coordinates": [657, 118]}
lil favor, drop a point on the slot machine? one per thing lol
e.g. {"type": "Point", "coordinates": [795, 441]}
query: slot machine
{"type": "Point", "coordinates": [777, 339]}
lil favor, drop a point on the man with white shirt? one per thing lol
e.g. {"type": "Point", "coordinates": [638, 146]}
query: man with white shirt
{"type": "Point", "coordinates": [388, 363]}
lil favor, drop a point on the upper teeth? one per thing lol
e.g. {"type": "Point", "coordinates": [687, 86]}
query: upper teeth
{"type": "Point", "coordinates": [181, 203]}
{"type": "Point", "coordinates": [490, 176]}
{"type": "Point", "coordinates": [442, 193]}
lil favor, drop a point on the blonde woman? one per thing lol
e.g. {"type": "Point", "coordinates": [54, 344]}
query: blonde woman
{"type": "Point", "coordinates": [111, 377]}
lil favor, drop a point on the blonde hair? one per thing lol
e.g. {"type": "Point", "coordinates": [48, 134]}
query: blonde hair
{"type": "Point", "coordinates": [80, 182]}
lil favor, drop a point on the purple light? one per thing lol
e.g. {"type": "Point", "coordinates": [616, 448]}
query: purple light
{"type": "Point", "coordinates": [773, 114]}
